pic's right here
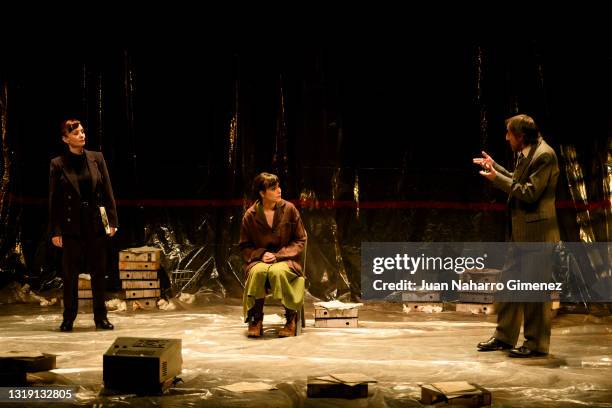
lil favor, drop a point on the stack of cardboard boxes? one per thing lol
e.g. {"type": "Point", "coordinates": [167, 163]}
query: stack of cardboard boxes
{"type": "Point", "coordinates": [138, 268]}
{"type": "Point", "coordinates": [336, 314]}
{"type": "Point", "coordinates": [479, 302]}
{"type": "Point", "coordinates": [422, 300]}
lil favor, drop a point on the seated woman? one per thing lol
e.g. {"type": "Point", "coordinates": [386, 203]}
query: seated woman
{"type": "Point", "coordinates": [272, 238]}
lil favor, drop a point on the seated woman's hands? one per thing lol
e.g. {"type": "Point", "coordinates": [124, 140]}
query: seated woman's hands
{"type": "Point", "coordinates": [268, 257]}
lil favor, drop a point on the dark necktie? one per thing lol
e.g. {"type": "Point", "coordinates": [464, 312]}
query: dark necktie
{"type": "Point", "coordinates": [519, 159]}
{"type": "Point", "coordinates": [519, 162]}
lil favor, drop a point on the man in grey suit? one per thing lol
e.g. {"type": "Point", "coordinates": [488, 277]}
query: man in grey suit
{"type": "Point", "coordinates": [531, 200]}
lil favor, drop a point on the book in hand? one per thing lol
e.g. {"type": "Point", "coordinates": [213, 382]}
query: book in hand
{"type": "Point", "coordinates": [104, 216]}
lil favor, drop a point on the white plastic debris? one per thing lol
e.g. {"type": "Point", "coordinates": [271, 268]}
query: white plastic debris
{"type": "Point", "coordinates": [163, 304]}
{"type": "Point", "coordinates": [338, 305]}
{"type": "Point", "coordinates": [48, 302]}
{"type": "Point", "coordinates": [273, 319]}
{"type": "Point", "coordinates": [24, 294]}
{"type": "Point", "coordinates": [116, 304]}
{"type": "Point", "coordinates": [187, 297]}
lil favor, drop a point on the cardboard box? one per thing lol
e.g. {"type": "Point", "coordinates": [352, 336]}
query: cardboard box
{"type": "Point", "coordinates": [477, 297]}
{"type": "Point", "coordinates": [13, 378]}
{"type": "Point", "coordinates": [141, 254]}
{"type": "Point", "coordinates": [421, 296]}
{"type": "Point", "coordinates": [327, 387]}
{"type": "Point", "coordinates": [85, 305]}
{"type": "Point", "coordinates": [140, 275]}
{"type": "Point", "coordinates": [476, 308]}
{"type": "Point", "coordinates": [84, 284]}
{"type": "Point", "coordinates": [27, 363]}
{"type": "Point", "coordinates": [337, 323]}
{"type": "Point", "coordinates": [424, 307]}
{"type": "Point", "coordinates": [146, 303]}
{"type": "Point", "coordinates": [140, 284]}
{"type": "Point", "coordinates": [138, 266]}
{"type": "Point", "coordinates": [323, 313]}
{"type": "Point", "coordinates": [456, 393]}
{"type": "Point", "coordinates": [85, 294]}
{"type": "Point", "coordinates": [142, 293]}
{"type": "Point", "coordinates": [482, 276]}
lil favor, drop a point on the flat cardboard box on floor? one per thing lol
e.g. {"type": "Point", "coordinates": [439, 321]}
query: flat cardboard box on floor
{"type": "Point", "coordinates": [455, 393]}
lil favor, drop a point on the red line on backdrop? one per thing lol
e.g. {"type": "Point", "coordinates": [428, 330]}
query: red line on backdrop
{"type": "Point", "coordinates": [326, 204]}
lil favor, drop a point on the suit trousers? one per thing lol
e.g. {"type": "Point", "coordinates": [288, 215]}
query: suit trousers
{"type": "Point", "coordinates": [85, 254]}
{"type": "Point", "coordinates": [537, 321]}
{"type": "Point", "coordinates": [527, 309]}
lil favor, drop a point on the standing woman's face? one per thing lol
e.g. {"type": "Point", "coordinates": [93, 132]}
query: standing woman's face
{"type": "Point", "coordinates": [76, 138]}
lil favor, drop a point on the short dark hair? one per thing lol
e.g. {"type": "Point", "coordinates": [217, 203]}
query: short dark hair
{"type": "Point", "coordinates": [69, 125]}
{"type": "Point", "coordinates": [523, 125]}
{"type": "Point", "coordinates": [262, 182]}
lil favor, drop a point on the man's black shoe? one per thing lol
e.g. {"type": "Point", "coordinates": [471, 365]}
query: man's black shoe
{"type": "Point", "coordinates": [66, 325]}
{"type": "Point", "coordinates": [525, 352]}
{"type": "Point", "coordinates": [493, 345]}
{"type": "Point", "coordinates": [104, 324]}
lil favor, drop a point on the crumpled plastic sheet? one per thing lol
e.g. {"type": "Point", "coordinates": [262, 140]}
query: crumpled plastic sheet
{"type": "Point", "coordinates": [579, 272]}
{"type": "Point", "coordinates": [579, 276]}
{"type": "Point", "coordinates": [578, 191]}
{"type": "Point", "coordinates": [15, 292]}
{"type": "Point", "coordinates": [190, 266]}
{"type": "Point", "coordinates": [399, 350]}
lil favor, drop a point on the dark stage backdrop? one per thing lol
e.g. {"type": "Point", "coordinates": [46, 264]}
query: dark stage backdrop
{"type": "Point", "coordinates": [373, 140]}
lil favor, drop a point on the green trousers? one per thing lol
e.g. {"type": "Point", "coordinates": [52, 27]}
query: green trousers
{"type": "Point", "coordinates": [284, 285]}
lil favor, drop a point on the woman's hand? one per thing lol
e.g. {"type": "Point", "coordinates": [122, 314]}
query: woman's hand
{"type": "Point", "coordinates": [57, 241]}
{"type": "Point", "coordinates": [113, 231]}
{"type": "Point", "coordinates": [268, 257]}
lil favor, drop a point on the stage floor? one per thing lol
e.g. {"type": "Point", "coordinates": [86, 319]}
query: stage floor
{"type": "Point", "coordinates": [400, 350]}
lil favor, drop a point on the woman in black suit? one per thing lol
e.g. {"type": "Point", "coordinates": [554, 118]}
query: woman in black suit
{"type": "Point", "coordinates": [78, 186]}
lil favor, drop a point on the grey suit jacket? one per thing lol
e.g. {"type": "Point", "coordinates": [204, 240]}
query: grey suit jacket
{"type": "Point", "coordinates": [531, 195]}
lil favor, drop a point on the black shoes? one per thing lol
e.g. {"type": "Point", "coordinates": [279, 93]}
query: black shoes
{"type": "Point", "coordinates": [66, 325]}
{"type": "Point", "coordinates": [493, 345]}
{"type": "Point", "coordinates": [104, 324]}
{"type": "Point", "coordinates": [523, 352]}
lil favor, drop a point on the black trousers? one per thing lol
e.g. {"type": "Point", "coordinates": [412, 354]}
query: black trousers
{"type": "Point", "coordinates": [85, 254]}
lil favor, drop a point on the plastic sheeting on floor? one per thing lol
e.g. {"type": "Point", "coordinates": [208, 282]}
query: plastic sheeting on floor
{"type": "Point", "coordinates": [400, 350]}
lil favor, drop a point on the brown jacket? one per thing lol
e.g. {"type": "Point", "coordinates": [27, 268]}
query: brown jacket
{"type": "Point", "coordinates": [286, 238]}
{"type": "Point", "coordinates": [531, 191]}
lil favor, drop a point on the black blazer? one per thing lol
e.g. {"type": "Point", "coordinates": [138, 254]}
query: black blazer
{"type": "Point", "coordinates": [65, 197]}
